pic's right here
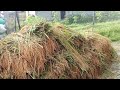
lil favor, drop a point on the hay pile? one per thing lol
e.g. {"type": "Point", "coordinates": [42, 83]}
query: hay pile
{"type": "Point", "coordinates": [51, 51]}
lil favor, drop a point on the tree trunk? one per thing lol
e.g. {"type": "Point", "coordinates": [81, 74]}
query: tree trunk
{"type": "Point", "coordinates": [15, 21]}
{"type": "Point", "coordinates": [93, 17]}
{"type": "Point", "coordinates": [17, 16]}
{"type": "Point", "coordinates": [62, 14]}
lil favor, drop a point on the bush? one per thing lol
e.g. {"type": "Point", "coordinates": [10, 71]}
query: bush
{"type": "Point", "coordinates": [78, 19]}
{"type": "Point", "coordinates": [86, 19]}
{"type": "Point", "coordinates": [33, 20]}
{"type": "Point", "coordinates": [68, 20]}
{"type": "Point", "coordinates": [103, 16]}
{"type": "Point", "coordinates": [55, 16]}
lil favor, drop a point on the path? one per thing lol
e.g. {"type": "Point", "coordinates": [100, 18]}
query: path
{"type": "Point", "coordinates": [114, 70]}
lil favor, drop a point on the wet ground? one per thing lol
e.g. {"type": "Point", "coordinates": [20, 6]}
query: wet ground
{"type": "Point", "coordinates": [114, 71]}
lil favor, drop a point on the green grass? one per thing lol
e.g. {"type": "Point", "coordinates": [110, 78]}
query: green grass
{"type": "Point", "coordinates": [79, 26]}
{"type": "Point", "coordinates": [107, 29]}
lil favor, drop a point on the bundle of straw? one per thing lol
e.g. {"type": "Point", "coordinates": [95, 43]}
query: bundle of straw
{"type": "Point", "coordinates": [52, 51]}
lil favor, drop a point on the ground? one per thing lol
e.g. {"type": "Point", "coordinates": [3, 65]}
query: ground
{"type": "Point", "coordinates": [114, 71]}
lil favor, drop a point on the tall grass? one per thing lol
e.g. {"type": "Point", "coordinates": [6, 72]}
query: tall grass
{"type": "Point", "coordinates": [107, 29]}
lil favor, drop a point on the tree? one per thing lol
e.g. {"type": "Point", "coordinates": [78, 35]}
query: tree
{"type": "Point", "coordinates": [17, 17]}
{"type": "Point", "coordinates": [94, 17]}
{"type": "Point", "coordinates": [62, 14]}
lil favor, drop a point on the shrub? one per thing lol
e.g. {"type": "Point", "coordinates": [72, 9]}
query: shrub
{"type": "Point", "coordinates": [78, 19]}
{"type": "Point", "coordinates": [34, 20]}
{"type": "Point", "coordinates": [103, 16]}
{"type": "Point", "coordinates": [55, 16]}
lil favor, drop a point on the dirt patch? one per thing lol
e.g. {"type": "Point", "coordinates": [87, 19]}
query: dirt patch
{"type": "Point", "coordinates": [114, 71]}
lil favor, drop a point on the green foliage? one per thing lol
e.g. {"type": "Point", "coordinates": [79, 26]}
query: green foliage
{"type": "Point", "coordinates": [68, 20]}
{"type": "Point", "coordinates": [100, 16]}
{"type": "Point", "coordinates": [55, 16]}
{"type": "Point", "coordinates": [110, 30]}
{"type": "Point", "coordinates": [77, 19]}
{"type": "Point", "coordinates": [86, 18]}
{"type": "Point", "coordinates": [103, 16]}
{"type": "Point", "coordinates": [107, 29]}
{"type": "Point", "coordinates": [31, 20]}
